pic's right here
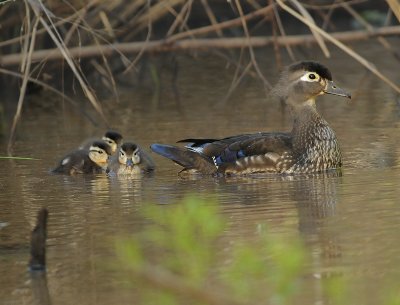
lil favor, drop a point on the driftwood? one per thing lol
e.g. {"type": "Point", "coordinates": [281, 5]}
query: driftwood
{"type": "Point", "coordinates": [191, 44]}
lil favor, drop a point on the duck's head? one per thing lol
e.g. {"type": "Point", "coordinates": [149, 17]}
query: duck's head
{"type": "Point", "coordinates": [129, 154]}
{"type": "Point", "coordinates": [112, 138]}
{"type": "Point", "coordinates": [99, 152]}
{"type": "Point", "coordinates": [302, 82]}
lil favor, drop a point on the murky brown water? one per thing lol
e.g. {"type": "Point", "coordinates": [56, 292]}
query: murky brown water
{"type": "Point", "coordinates": [350, 224]}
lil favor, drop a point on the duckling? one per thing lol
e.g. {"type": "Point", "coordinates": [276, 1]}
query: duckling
{"type": "Point", "coordinates": [85, 161]}
{"type": "Point", "coordinates": [131, 160]}
{"type": "Point", "coordinates": [111, 137]}
{"type": "Point", "coordinates": [311, 146]}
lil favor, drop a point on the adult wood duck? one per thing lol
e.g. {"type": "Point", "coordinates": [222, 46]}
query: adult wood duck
{"type": "Point", "coordinates": [85, 161]}
{"type": "Point", "coordinates": [131, 160]}
{"type": "Point", "coordinates": [111, 137]}
{"type": "Point", "coordinates": [310, 147]}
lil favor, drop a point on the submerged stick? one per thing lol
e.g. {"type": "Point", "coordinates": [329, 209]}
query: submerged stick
{"type": "Point", "coordinates": [38, 242]}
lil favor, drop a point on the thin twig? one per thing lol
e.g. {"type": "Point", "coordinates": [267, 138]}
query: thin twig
{"type": "Point", "coordinates": [235, 82]}
{"type": "Point", "coordinates": [190, 44]}
{"type": "Point", "coordinates": [221, 25]}
{"type": "Point", "coordinates": [139, 55]}
{"type": "Point", "coordinates": [178, 19]}
{"type": "Point", "coordinates": [395, 6]}
{"type": "Point", "coordinates": [22, 91]}
{"type": "Point", "coordinates": [52, 89]}
{"type": "Point", "coordinates": [211, 16]}
{"type": "Point", "coordinates": [283, 33]}
{"type": "Point", "coordinates": [65, 52]}
{"type": "Point", "coordinates": [369, 28]}
{"type": "Point", "coordinates": [252, 56]}
{"type": "Point", "coordinates": [307, 16]}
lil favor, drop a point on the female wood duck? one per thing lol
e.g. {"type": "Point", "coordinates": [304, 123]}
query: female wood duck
{"type": "Point", "coordinates": [111, 137]}
{"type": "Point", "coordinates": [131, 160]}
{"type": "Point", "coordinates": [310, 147]}
{"type": "Point", "coordinates": [85, 161]}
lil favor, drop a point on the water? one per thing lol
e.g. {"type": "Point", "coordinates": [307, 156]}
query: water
{"type": "Point", "coordinates": [349, 223]}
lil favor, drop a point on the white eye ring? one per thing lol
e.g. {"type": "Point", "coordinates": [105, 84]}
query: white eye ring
{"type": "Point", "coordinates": [310, 77]}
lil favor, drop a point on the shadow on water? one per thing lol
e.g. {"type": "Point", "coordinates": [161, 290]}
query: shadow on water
{"type": "Point", "coordinates": [37, 262]}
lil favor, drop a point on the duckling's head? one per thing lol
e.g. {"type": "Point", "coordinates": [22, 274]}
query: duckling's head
{"type": "Point", "coordinates": [112, 138]}
{"type": "Point", "coordinates": [129, 154]}
{"type": "Point", "coordinates": [302, 82]}
{"type": "Point", "coordinates": [99, 152]}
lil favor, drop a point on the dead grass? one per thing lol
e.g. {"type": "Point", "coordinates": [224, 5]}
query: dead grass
{"type": "Point", "coordinates": [76, 32]}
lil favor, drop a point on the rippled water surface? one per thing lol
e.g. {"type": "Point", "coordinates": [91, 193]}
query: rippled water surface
{"type": "Point", "coordinates": [350, 224]}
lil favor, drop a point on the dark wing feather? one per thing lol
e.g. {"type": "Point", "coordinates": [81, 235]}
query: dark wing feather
{"type": "Point", "coordinates": [247, 153]}
{"type": "Point", "coordinates": [187, 158]}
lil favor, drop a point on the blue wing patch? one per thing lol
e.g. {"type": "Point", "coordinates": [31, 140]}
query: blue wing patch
{"type": "Point", "coordinates": [228, 156]}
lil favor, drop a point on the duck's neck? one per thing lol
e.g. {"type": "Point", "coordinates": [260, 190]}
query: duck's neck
{"type": "Point", "coordinates": [309, 128]}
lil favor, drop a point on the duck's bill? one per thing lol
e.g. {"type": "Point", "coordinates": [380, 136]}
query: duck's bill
{"type": "Point", "coordinates": [331, 88]}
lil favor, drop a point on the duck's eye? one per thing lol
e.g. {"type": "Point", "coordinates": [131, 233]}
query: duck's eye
{"type": "Point", "coordinates": [100, 152]}
{"type": "Point", "coordinates": [312, 76]}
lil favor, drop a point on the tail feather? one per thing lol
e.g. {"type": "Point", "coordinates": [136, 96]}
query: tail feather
{"type": "Point", "coordinates": [187, 158]}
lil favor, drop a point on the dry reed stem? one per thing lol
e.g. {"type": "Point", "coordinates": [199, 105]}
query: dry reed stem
{"type": "Point", "coordinates": [343, 47]}
{"type": "Point", "coordinates": [178, 18]}
{"type": "Point", "coordinates": [189, 44]}
{"type": "Point", "coordinates": [369, 28]}
{"type": "Point", "coordinates": [211, 16]}
{"type": "Point", "coordinates": [318, 37]}
{"type": "Point", "coordinates": [252, 56]}
{"type": "Point", "coordinates": [40, 31]}
{"type": "Point", "coordinates": [333, 5]}
{"type": "Point", "coordinates": [52, 89]}
{"type": "Point", "coordinates": [55, 36]}
{"type": "Point", "coordinates": [187, 15]}
{"type": "Point", "coordinates": [235, 83]}
{"type": "Point", "coordinates": [278, 57]}
{"type": "Point", "coordinates": [222, 25]}
{"type": "Point", "coordinates": [26, 70]}
{"type": "Point", "coordinates": [283, 33]}
{"type": "Point", "coordinates": [395, 7]}
{"type": "Point", "coordinates": [155, 12]}
{"type": "Point", "coordinates": [141, 52]}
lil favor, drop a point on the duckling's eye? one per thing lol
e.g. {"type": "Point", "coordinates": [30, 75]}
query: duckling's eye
{"type": "Point", "coordinates": [100, 152]}
{"type": "Point", "coordinates": [312, 76]}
